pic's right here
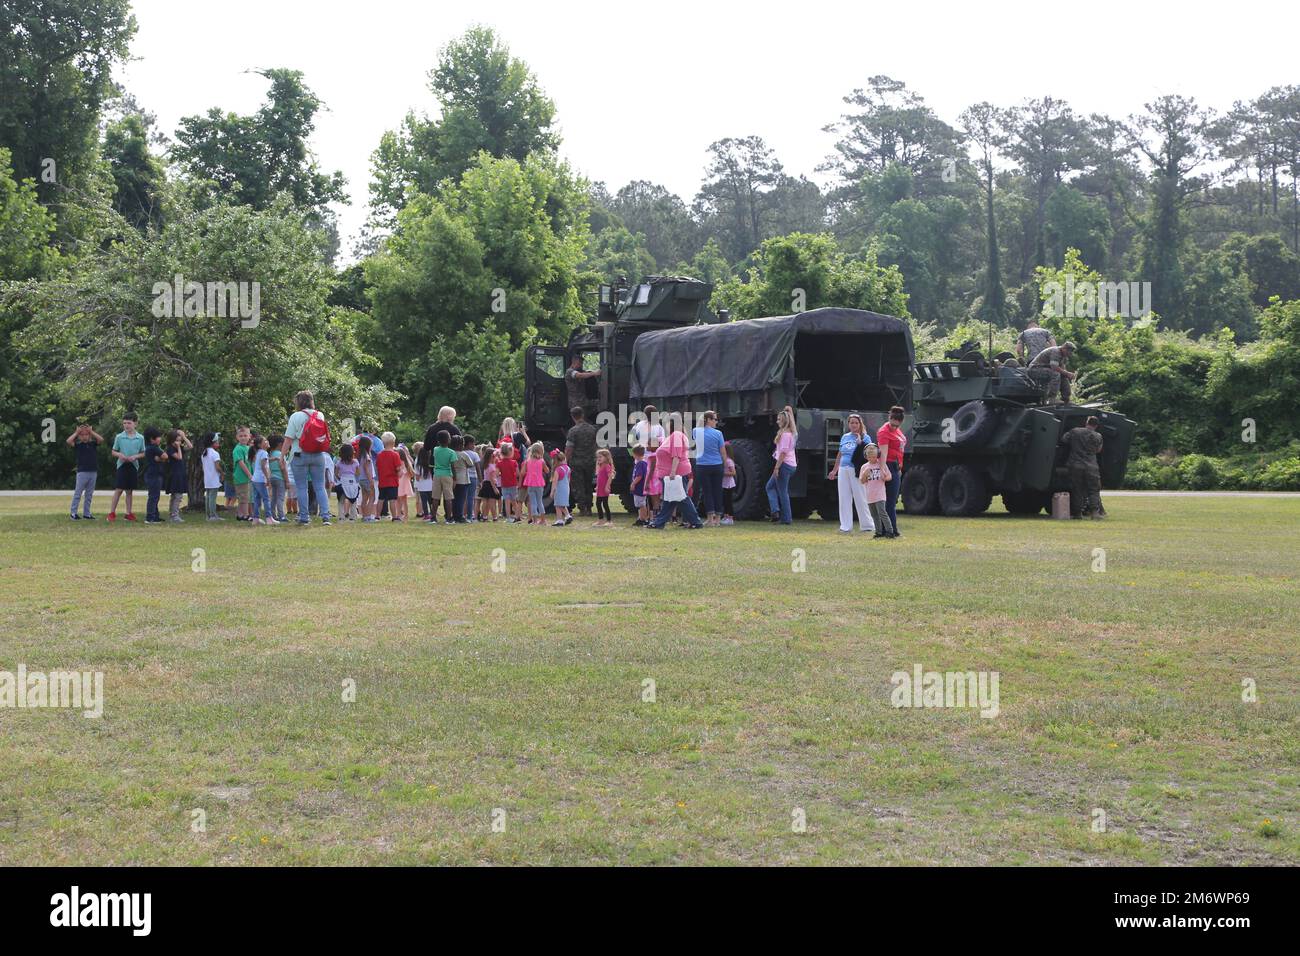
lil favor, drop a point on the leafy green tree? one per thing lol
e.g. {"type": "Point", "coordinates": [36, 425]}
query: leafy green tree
{"type": "Point", "coordinates": [138, 175]}
{"type": "Point", "coordinates": [984, 127]}
{"type": "Point", "coordinates": [58, 61]}
{"type": "Point", "coordinates": [489, 102]}
{"type": "Point", "coordinates": [252, 159]}
{"type": "Point", "coordinates": [735, 202]}
{"type": "Point", "coordinates": [110, 340]}
{"type": "Point", "coordinates": [1074, 220]}
{"type": "Point", "coordinates": [617, 252]}
{"type": "Point", "coordinates": [671, 235]}
{"type": "Point", "coordinates": [1045, 142]}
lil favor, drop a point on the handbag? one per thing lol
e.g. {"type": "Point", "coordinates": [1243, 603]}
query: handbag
{"type": "Point", "coordinates": [674, 488]}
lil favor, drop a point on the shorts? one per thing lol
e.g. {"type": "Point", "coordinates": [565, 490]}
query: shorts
{"type": "Point", "coordinates": [444, 487]}
{"type": "Point", "coordinates": [367, 486]}
{"type": "Point", "coordinates": [509, 494]}
{"type": "Point", "coordinates": [290, 491]}
{"type": "Point", "coordinates": [638, 501]}
{"type": "Point", "coordinates": [388, 494]}
{"type": "Point", "coordinates": [243, 492]}
{"type": "Point", "coordinates": [125, 479]}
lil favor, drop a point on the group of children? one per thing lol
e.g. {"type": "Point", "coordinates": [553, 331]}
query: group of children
{"type": "Point", "coordinates": [152, 457]}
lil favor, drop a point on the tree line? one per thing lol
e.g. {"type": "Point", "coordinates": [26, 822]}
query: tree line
{"type": "Point", "coordinates": [480, 238]}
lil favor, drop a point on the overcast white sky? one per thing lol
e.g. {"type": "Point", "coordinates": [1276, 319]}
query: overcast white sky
{"type": "Point", "coordinates": [643, 88]}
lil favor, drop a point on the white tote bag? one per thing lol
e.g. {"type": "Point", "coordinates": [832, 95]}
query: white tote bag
{"type": "Point", "coordinates": [674, 488]}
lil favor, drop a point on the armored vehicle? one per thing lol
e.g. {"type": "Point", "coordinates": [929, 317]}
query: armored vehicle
{"type": "Point", "coordinates": [658, 343]}
{"type": "Point", "coordinates": [979, 429]}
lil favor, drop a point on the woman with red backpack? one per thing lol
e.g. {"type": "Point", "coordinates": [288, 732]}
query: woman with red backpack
{"type": "Point", "coordinates": [310, 437]}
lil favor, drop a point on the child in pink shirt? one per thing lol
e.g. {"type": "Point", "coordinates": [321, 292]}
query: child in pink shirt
{"type": "Point", "coordinates": [875, 475]}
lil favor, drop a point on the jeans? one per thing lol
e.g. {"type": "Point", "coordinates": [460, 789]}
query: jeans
{"type": "Point", "coordinates": [710, 478]}
{"type": "Point", "coordinates": [261, 500]}
{"type": "Point", "coordinates": [459, 499]}
{"type": "Point", "coordinates": [778, 493]}
{"type": "Point", "coordinates": [277, 499]}
{"type": "Point", "coordinates": [210, 496]}
{"type": "Point", "coordinates": [891, 492]}
{"type": "Point", "coordinates": [155, 486]}
{"type": "Point", "coordinates": [669, 508]}
{"type": "Point", "coordinates": [882, 518]}
{"type": "Point", "coordinates": [85, 489]}
{"type": "Point", "coordinates": [470, 497]}
{"type": "Point", "coordinates": [536, 503]}
{"type": "Point", "coordinates": [309, 476]}
{"type": "Point", "coordinates": [175, 506]}
{"type": "Point", "coordinates": [853, 493]}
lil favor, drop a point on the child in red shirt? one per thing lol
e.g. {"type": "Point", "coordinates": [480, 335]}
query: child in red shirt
{"type": "Point", "coordinates": [508, 478]}
{"type": "Point", "coordinates": [388, 466]}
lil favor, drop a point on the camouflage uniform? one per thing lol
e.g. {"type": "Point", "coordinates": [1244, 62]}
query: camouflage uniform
{"type": "Point", "coordinates": [1045, 370]}
{"type": "Point", "coordinates": [1085, 472]}
{"type": "Point", "coordinates": [580, 447]}
{"type": "Point", "coordinates": [1035, 340]}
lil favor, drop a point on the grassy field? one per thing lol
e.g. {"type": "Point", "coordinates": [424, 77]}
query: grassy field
{"type": "Point", "coordinates": [517, 695]}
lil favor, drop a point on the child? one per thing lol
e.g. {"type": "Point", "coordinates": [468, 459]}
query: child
{"type": "Point", "coordinates": [261, 513]}
{"type": "Point", "coordinates": [605, 474]}
{"type": "Point", "coordinates": [444, 481]}
{"type": "Point", "coordinates": [404, 489]}
{"type": "Point", "coordinates": [387, 466]}
{"type": "Point", "coordinates": [178, 479]}
{"type": "Point", "coordinates": [241, 473]}
{"type": "Point", "coordinates": [423, 480]}
{"type": "Point", "coordinates": [366, 479]}
{"type": "Point", "coordinates": [535, 471]}
{"type": "Point", "coordinates": [214, 475]}
{"type": "Point", "coordinates": [489, 491]}
{"type": "Point", "coordinates": [875, 474]}
{"type": "Point", "coordinates": [640, 471]}
{"type": "Point", "coordinates": [475, 476]}
{"type": "Point", "coordinates": [85, 441]}
{"type": "Point", "coordinates": [275, 456]}
{"type": "Point", "coordinates": [461, 466]}
{"type": "Point", "coordinates": [560, 488]}
{"type": "Point", "coordinates": [728, 485]}
{"type": "Point", "coordinates": [290, 486]}
{"type": "Point", "coordinates": [346, 469]}
{"type": "Point", "coordinates": [508, 481]}
{"type": "Point", "coordinates": [128, 448]}
{"type": "Point", "coordinates": [155, 467]}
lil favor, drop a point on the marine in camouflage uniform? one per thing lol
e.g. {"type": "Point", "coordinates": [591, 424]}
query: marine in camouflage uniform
{"type": "Point", "coordinates": [580, 452]}
{"type": "Point", "coordinates": [1032, 341]}
{"type": "Point", "coordinates": [1048, 370]}
{"type": "Point", "coordinates": [1085, 471]}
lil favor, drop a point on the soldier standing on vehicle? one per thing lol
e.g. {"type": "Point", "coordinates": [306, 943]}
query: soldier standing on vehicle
{"type": "Point", "coordinates": [580, 453]}
{"type": "Point", "coordinates": [575, 379]}
{"type": "Point", "coordinates": [1033, 340]}
{"type": "Point", "coordinates": [1048, 369]}
{"type": "Point", "coordinates": [1085, 472]}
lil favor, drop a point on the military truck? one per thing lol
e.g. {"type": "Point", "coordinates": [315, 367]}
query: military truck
{"type": "Point", "coordinates": [980, 429]}
{"type": "Point", "coordinates": [658, 343]}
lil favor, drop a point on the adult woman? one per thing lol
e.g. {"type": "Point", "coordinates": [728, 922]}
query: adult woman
{"type": "Point", "coordinates": [708, 465]}
{"type": "Point", "coordinates": [892, 444]}
{"type": "Point", "coordinates": [844, 473]}
{"type": "Point", "coordinates": [672, 458]}
{"type": "Point", "coordinates": [446, 423]}
{"type": "Point", "coordinates": [308, 467]}
{"type": "Point", "coordinates": [783, 468]}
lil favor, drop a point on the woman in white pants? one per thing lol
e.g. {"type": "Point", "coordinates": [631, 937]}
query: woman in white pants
{"type": "Point", "coordinates": [853, 493]}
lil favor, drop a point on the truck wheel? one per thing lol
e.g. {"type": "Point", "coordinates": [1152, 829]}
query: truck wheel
{"type": "Point", "coordinates": [920, 491]}
{"type": "Point", "coordinates": [973, 424]}
{"type": "Point", "coordinates": [753, 466]}
{"type": "Point", "coordinates": [626, 501]}
{"type": "Point", "coordinates": [1026, 501]}
{"type": "Point", "coordinates": [962, 492]}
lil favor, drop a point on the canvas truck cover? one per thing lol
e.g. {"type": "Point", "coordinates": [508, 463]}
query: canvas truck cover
{"type": "Point", "coordinates": [749, 365]}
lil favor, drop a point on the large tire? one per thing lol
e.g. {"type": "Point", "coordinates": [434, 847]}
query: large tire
{"type": "Point", "coordinates": [920, 491]}
{"type": "Point", "coordinates": [753, 467]}
{"type": "Point", "coordinates": [973, 424]}
{"type": "Point", "coordinates": [626, 500]}
{"type": "Point", "coordinates": [963, 492]}
{"type": "Point", "coordinates": [1026, 501]}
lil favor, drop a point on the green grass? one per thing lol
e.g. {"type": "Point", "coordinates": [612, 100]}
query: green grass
{"type": "Point", "coordinates": [522, 690]}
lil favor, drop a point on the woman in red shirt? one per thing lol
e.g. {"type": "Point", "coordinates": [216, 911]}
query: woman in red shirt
{"type": "Point", "coordinates": [892, 442]}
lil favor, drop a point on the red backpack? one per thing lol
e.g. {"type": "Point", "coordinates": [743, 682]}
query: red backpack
{"type": "Point", "coordinates": [315, 434]}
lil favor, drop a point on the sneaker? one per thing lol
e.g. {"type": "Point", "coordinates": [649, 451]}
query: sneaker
{"type": "Point", "coordinates": [87, 517]}
{"type": "Point", "coordinates": [213, 518]}
{"type": "Point", "coordinates": [569, 520]}
{"type": "Point", "coordinates": [326, 522]}
{"type": "Point", "coordinates": [728, 520]}
{"type": "Point", "coordinates": [178, 520]}
{"type": "Point", "coordinates": [560, 523]}
{"type": "Point", "coordinates": [130, 516]}
{"type": "Point", "coordinates": [75, 517]}
{"type": "Point", "coordinates": [112, 516]}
